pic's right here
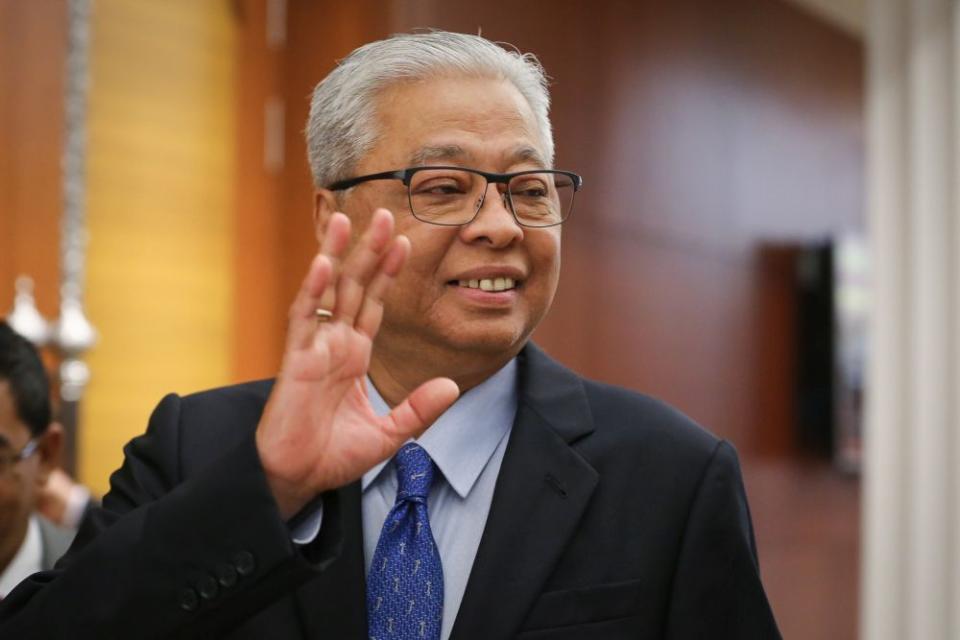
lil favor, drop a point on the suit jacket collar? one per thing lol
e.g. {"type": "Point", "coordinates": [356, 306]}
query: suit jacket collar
{"type": "Point", "coordinates": [555, 393]}
{"type": "Point", "coordinates": [541, 493]}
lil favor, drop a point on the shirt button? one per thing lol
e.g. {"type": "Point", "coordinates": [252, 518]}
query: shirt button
{"type": "Point", "coordinates": [244, 563]}
{"type": "Point", "coordinates": [226, 575]}
{"type": "Point", "coordinates": [208, 588]}
{"type": "Point", "coordinates": [189, 601]}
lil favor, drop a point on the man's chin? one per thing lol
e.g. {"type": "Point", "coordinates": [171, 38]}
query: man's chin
{"type": "Point", "coordinates": [489, 341]}
{"type": "Point", "coordinates": [489, 338]}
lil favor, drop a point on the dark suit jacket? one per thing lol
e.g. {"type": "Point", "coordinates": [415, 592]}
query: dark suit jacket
{"type": "Point", "coordinates": [614, 516]}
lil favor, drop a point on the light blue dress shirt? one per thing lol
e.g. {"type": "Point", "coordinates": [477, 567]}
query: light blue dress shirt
{"type": "Point", "coordinates": [467, 444]}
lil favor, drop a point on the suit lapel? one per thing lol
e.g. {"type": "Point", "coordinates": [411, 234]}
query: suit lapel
{"type": "Point", "coordinates": [334, 604]}
{"type": "Point", "coordinates": [541, 493]}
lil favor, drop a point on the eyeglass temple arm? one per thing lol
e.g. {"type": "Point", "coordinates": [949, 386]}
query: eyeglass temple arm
{"type": "Point", "coordinates": [352, 182]}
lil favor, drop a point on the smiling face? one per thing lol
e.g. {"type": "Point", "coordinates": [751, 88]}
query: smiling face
{"type": "Point", "coordinates": [469, 296]}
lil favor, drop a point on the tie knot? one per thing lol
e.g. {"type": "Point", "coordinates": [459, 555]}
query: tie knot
{"type": "Point", "coordinates": [414, 472]}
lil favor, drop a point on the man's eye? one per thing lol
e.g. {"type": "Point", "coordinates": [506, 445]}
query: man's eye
{"type": "Point", "coordinates": [530, 190]}
{"type": "Point", "coordinates": [439, 188]}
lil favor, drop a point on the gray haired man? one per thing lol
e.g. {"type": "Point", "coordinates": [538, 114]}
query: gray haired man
{"type": "Point", "coordinates": [418, 469]}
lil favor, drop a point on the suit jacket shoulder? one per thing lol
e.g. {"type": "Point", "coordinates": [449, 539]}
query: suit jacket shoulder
{"type": "Point", "coordinates": [640, 529]}
{"type": "Point", "coordinates": [617, 430]}
{"type": "Point", "coordinates": [635, 419]}
{"type": "Point", "coordinates": [218, 416]}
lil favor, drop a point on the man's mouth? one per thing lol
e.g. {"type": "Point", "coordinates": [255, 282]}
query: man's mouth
{"type": "Point", "coordinates": [490, 284]}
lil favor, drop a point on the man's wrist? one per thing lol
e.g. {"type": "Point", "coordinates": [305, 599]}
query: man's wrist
{"type": "Point", "coordinates": [305, 526]}
{"type": "Point", "coordinates": [290, 496]}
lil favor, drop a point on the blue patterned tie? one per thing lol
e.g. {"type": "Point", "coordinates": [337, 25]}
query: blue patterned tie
{"type": "Point", "coordinates": [405, 584]}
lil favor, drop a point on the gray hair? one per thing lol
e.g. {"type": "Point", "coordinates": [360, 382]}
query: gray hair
{"type": "Point", "coordinates": [341, 127]}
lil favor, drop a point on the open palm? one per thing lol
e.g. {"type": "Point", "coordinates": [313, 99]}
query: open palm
{"type": "Point", "coordinates": [318, 430]}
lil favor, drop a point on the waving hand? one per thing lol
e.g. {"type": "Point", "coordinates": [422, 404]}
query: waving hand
{"type": "Point", "coordinates": [318, 430]}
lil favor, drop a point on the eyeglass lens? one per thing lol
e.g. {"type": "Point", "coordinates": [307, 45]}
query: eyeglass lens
{"type": "Point", "coordinates": [451, 196]}
{"type": "Point", "coordinates": [10, 458]}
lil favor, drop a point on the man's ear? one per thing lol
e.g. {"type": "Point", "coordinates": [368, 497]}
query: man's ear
{"type": "Point", "coordinates": [324, 206]}
{"type": "Point", "coordinates": [50, 450]}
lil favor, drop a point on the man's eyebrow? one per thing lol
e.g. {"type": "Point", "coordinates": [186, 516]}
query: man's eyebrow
{"type": "Point", "coordinates": [426, 155]}
{"type": "Point", "coordinates": [527, 153]}
{"type": "Point", "coordinates": [449, 152]}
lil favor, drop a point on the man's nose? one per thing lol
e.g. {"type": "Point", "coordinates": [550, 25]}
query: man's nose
{"type": "Point", "coordinates": [494, 221]}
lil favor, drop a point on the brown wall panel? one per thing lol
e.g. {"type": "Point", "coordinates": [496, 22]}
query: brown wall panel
{"type": "Point", "coordinates": [319, 34]}
{"type": "Point", "coordinates": [275, 236]}
{"type": "Point", "coordinates": [32, 55]}
{"type": "Point", "coordinates": [258, 312]}
{"type": "Point", "coordinates": [775, 354]}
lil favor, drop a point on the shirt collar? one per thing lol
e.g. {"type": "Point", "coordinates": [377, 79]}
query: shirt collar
{"type": "Point", "coordinates": [464, 437]}
{"type": "Point", "coordinates": [29, 559]}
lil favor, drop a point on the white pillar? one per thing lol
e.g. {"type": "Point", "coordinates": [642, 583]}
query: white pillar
{"type": "Point", "coordinates": [910, 578]}
{"type": "Point", "coordinates": [954, 388]}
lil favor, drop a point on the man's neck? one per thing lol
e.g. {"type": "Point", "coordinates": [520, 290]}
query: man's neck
{"type": "Point", "coordinates": [395, 378]}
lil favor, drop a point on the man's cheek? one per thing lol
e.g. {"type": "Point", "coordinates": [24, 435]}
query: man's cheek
{"type": "Point", "coordinates": [10, 500]}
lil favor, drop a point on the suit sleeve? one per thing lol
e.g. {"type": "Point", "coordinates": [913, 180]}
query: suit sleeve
{"type": "Point", "coordinates": [170, 556]}
{"type": "Point", "coordinates": [716, 590]}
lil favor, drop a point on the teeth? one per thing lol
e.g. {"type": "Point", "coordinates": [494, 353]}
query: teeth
{"type": "Point", "coordinates": [489, 284]}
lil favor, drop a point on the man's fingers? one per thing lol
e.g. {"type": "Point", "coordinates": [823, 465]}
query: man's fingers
{"type": "Point", "coordinates": [421, 408]}
{"type": "Point", "coordinates": [393, 261]}
{"type": "Point", "coordinates": [361, 264]}
{"type": "Point", "coordinates": [336, 239]}
{"type": "Point", "coordinates": [336, 236]}
{"type": "Point", "coordinates": [303, 310]}
{"type": "Point", "coordinates": [371, 313]}
{"type": "Point", "coordinates": [317, 288]}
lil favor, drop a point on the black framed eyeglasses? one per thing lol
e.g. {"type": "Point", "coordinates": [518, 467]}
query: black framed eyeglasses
{"type": "Point", "coordinates": [7, 461]}
{"type": "Point", "coordinates": [452, 196]}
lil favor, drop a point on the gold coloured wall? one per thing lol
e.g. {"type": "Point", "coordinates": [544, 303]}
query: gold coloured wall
{"type": "Point", "coordinates": [160, 185]}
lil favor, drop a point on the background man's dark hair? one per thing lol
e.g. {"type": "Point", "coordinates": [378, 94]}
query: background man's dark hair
{"type": "Point", "coordinates": [21, 367]}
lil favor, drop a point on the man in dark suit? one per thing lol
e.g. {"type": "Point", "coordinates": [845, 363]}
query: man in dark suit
{"type": "Point", "coordinates": [532, 503]}
{"type": "Point", "coordinates": [30, 449]}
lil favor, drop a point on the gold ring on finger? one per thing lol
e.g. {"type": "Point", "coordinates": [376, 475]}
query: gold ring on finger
{"type": "Point", "coordinates": [323, 315]}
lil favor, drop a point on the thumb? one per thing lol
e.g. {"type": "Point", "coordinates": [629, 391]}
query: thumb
{"type": "Point", "coordinates": [420, 409]}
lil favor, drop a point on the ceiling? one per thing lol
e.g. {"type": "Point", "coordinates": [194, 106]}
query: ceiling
{"type": "Point", "coordinates": [849, 15]}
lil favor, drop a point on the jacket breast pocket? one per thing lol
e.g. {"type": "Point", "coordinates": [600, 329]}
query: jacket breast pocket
{"type": "Point", "coordinates": [585, 605]}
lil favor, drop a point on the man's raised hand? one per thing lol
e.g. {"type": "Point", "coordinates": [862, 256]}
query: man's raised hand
{"type": "Point", "coordinates": [318, 430]}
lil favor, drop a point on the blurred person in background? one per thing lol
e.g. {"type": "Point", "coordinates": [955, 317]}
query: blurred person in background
{"type": "Point", "coordinates": [40, 506]}
{"type": "Point", "coordinates": [418, 469]}
{"type": "Point", "coordinates": [64, 501]}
